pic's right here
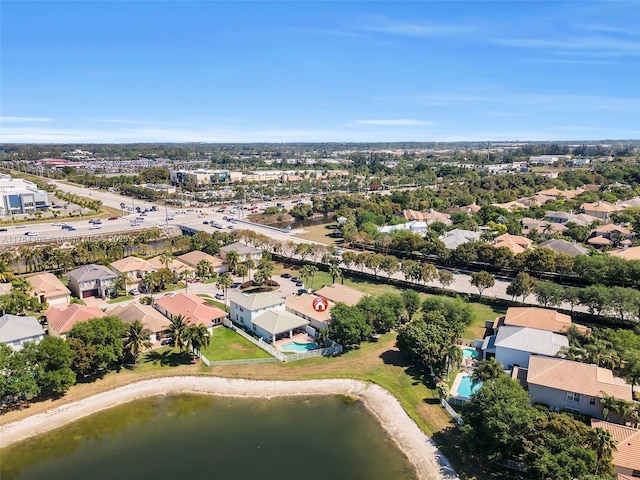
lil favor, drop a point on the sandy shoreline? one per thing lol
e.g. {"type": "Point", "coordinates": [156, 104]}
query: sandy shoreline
{"type": "Point", "coordinates": [429, 463]}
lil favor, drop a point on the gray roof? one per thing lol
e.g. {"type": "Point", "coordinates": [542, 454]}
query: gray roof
{"type": "Point", "coordinates": [454, 238]}
{"type": "Point", "coordinates": [241, 248]}
{"type": "Point", "coordinates": [562, 246]}
{"type": "Point", "coordinates": [91, 272]}
{"type": "Point", "coordinates": [255, 301]}
{"type": "Point", "coordinates": [14, 327]}
{"type": "Point", "coordinates": [532, 340]}
{"type": "Point", "coordinates": [279, 321]}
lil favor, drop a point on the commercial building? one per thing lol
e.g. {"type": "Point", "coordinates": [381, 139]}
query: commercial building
{"type": "Point", "coordinates": [20, 196]}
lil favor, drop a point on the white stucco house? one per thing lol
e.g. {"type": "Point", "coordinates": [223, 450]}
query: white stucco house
{"type": "Point", "coordinates": [246, 307]}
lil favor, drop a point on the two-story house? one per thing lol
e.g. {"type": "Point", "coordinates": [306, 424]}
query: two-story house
{"type": "Point", "coordinates": [245, 307]}
{"type": "Point", "coordinates": [16, 330]}
{"type": "Point", "coordinates": [245, 252]}
{"type": "Point", "coordinates": [91, 281]}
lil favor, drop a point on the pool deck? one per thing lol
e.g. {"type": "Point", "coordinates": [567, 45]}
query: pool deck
{"type": "Point", "coordinates": [298, 337]}
{"type": "Point", "coordinates": [456, 384]}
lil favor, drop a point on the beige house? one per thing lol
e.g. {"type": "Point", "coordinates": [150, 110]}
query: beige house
{"type": "Point", "coordinates": [149, 316]}
{"type": "Point", "coordinates": [134, 267]}
{"type": "Point", "coordinates": [626, 456]}
{"type": "Point", "coordinates": [515, 243]}
{"type": "Point", "coordinates": [341, 293]}
{"type": "Point", "coordinates": [196, 256]}
{"type": "Point", "coordinates": [176, 266]}
{"type": "Point", "coordinates": [631, 253]}
{"type": "Point", "coordinates": [600, 209]}
{"type": "Point", "coordinates": [302, 305]}
{"type": "Point", "coordinates": [48, 289]}
{"type": "Point", "coordinates": [245, 252]}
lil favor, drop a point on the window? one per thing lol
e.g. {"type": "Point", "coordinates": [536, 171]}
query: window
{"type": "Point", "coordinates": [592, 400]}
{"type": "Point", "coordinates": [573, 397]}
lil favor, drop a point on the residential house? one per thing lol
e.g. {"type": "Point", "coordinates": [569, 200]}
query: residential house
{"type": "Point", "coordinates": [48, 289]}
{"type": "Point", "coordinates": [245, 252]}
{"type": "Point", "coordinates": [631, 253]}
{"type": "Point", "coordinates": [146, 314]}
{"type": "Point", "coordinates": [580, 219]}
{"type": "Point", "coordinates": [545, 159]}
{"type": "Point", "coordinates": [274, 323]}
{"type": "Point", "coordinates": [91, 281]}
{"type": "Point", "coordinates": [194, 309]}
{"type": "Point", "coordinates": [470, 209]}
{"type": "Point", "coordinates": [626, 456]}
{"type": "Point", "coordinates": [16, 330]}
{"type": "Point", "coordinates": [245, 307]}
{"type": "Point", "coordinates": [544, 229]}
{"type": "Point", "coordinates": [538, 318]}
{"type": "Point", "coordinates": [578, 387]}
{"type": "Point", "coordinates": [515, 243]}
{"type": "Point", "coordinates": [196, 256]}
{"type": "Point", "coordinates": [454, 238]}
{"type": "Point", "coordinates": [600, 209]}
{"type": "Point", "coordinates": [178, 268]}
{"type": "Point", "coordinates": [341, 293]}
{"type": "Point", "coordinates": [511, 206]}
{"type": "Point", "coordinates": [302, 305]}
{"type": "Point", "coordinates": [614, 233]}
{"type": "Point", "coordinates": [414, 226]}
{"type": "Point", "coordinates": [133, 267]}
{"type": "Point", "coordinates": [632, 202]}
{"type": "Point", "coordinates": [513, 346]}
{"type": "Point", "coordinates": [429, 217]}
{"type": "Point", "coordinates": [62, 318]}
{"type": "Point", "coordinates": [559, 245]}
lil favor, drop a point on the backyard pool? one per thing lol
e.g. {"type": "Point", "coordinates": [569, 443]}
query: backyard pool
{"type": "Point", "coordinates": [469, 353]}
{"type": "Point", "coordinates": [298, 347]}
{"type": "Point", "coordinates": [465, 387]}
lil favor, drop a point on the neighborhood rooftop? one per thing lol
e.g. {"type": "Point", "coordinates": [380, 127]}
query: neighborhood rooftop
{"type": "Point", "coordinates": [256, 301]}
{"type": "Point", "coordinates": [341, 293]}
{"type": "Point", "coordinates": [531, 340]}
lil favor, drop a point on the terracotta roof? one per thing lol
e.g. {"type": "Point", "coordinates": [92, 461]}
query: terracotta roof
{"type": "Point", "coordinates": [341, 293]}
{"type": "Point", "coordinates": [611, 228]}
{"type": "Point", "coordinates": [193, 258]}
{"type": "Point", "coordinates": [582, 378]}
{"type": "Point", "coordinates": [599, 241]}
{"type": "Point", "coordinates": [601, 207]}
{"type": "Point", "coordinates": [540, 318]}
{"type": "Point", "coordinates": [193, 308]}
{"type": "Point", "coordinates": [511, 206]}
{"type": "Point", "coordinates": [303, 305]}
{"type": "Point", "coordinates": [61, 319]}
{"type": "Point", "coordinates": [627, 453]}
{"type": "Point", "coordinates": [522, 241]}
{"type": "Point", "coordinates": [429, 217]}
{"type": "Point", "coordinates": [632, 253]}
{"type": "Point", "coordinates": [149, 316]}
{"type": "Point", "coordinates": [47, 284]}
{"type": "Point", "coordinates": [132, 264]}
{"type": "Point", "coordinates": [174, 265]}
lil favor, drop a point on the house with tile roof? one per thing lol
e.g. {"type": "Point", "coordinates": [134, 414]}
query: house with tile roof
{"type": "Point", "coordinates": [626, 456]}
{"type": "Point", "coordinates": [566, 217]}
{"type": "Point", "coordinates": [196, 256]}
{"type": "Point", "coordinates": [47, 288]}
{"type": "Point", "coordinates": [560, 245]}
{"type": "Point", "coordinates": [62, 318]}
{"type": "Point", "coordinates": [16, 330]}
{"type": "Point", "coordinates": [341, 293]}
{"type": "Point", "coordinates": [275, 323]}
{"type": "Point", "coordinates": [91, 281]}
{"type": "Point", "coordinates": [600, 209]}
{"type": "Point", "coordinates": [194, 309]}
{"type": "Point", "coordinates": [245, 307]}
{"type": "Point", "coordinates": [302, 305]}
{"type": "Point", "coordinates": [454, 238]}
{"type": "Point", "coordinates": [566, 385]}
{"type": "Point", "coordinates": [428, 217]}
{"type": "Point", "coordinates": [515, 243]}
{"type": "Point", "coordinates": [513, 345]}
{"type": "Point", "coordinates": [177, 267]}
{"type": "Point", "coordinates": [538, 318]}
{"type": "Point", "coordinates": [245, 252]}
{"type": "Point", "coordinates": [630, 253]}
{"type": "Point", "coordinates": [544, 229]}
{"type": "Point", "coordinates": [151, 318]}
{"type": "Point", "coordinates": [133, 267]}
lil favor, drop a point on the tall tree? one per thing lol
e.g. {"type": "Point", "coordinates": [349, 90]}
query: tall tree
{"type": "Point", "coordinates": [136, 339]}
{"type": "Point", "coordinates": [482, 280]}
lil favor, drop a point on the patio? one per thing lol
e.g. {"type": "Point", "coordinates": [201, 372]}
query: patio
{"type": "Point", "coordinates": [300, 337]}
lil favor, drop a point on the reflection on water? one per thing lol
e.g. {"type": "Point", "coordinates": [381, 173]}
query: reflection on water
{"type": "Point", "coordinates": [194, 436]}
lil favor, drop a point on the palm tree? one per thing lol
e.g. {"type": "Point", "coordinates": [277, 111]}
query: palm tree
{"type": "Point", "coordinates": [250, 266]}
{"type": "Point", "coordinates": [21, 285]}
{"type": "Point", "coordinates": [242, 270]}
{"type": "Point", "coordinates": [166, 258]}
{"type": "Point", "coordinates": [224, 282]}
{"type": "Point", "coordinates": [122, 283]}
{"type": "Point", "coordinates": [203, 269]}
{"type": "Point", "coordinates": [454, 358]}
{"type": "Point", "coordinates": [335, 272]}
{"type": "Point", "coordinates": [233, 258]}
{"type": "Point", "coordinates": [177, 331]}
{"type": "Point", "coordinates": [152, 281]}
{"type": "Point", "coordinates": [487, 370]}
{"type": "Point", "coordinates": [604, 445]}
{"type": "Point", "coordinates": [305, 272]}
{"type": "Point", "coordinates": [198, 338]}
{"type": "Point", "coordinates": [136, 339]}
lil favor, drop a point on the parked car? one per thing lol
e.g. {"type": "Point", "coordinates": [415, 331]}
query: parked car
{"type": "Point", "coordinates": [219, 296]}
{"type": "Point", "coordinates": [3, 229]}
{"type": "Point", "coordinates": [299, 284]}
{"type": "Point", "coordinates": [95, 221]}
{"type": "Point", "coordinates": [71, 229]}
{"type": "Point", "coordinates": [295, 279]}
{"type": "Point", "coordinates": [95, 226]}
{"type": "Point", "coordinates": [134, 291]}
{"type": "Point", "coordinates": [206, 222]}
{"type": "Point", "coordinates": [286, 275]}
{"type": "Point", "coordinates": [31, 234]}
{"type": "Point", "coordinates": [230, 227]}
{"type": "Point", "coordinates": [302, 291]}
{"type": "Point", "coordinates": [113, 218]}
{"type": "Point", "coordinates": [235, 284]}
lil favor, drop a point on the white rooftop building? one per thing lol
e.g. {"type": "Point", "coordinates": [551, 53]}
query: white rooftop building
{"type": "Point", "coordinates": [20, 196]}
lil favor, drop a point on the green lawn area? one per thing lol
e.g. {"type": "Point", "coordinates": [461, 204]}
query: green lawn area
{"type": "Point", "coordinates": [210, 300]}
{"type": "Point", "coordinates": [121, 299]}
{"type": "Point", "coordinates": [226, 344]}
{"type": "Point", "coordinates": [320, 234]}
{"type": "Point", "coordinates": [483, 312]}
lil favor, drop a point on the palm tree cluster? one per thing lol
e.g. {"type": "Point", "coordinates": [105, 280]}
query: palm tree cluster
{"type": "Point", "coordinates": [188, 336]}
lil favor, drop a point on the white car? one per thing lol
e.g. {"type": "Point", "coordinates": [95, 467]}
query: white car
{"type": "Point", "coordinates": [95, 227]}
{"type": "Point", "coordinates": [31, 234]}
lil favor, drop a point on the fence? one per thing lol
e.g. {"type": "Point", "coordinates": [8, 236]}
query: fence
{"type": "Point", "coordinates": [246, 361]}
{"type": "Point", "coordinates": [334, 350]}
{"type": "Point", "coordinates": [257, 342]}
{"type": "Point", "coordinates": [451, 411]}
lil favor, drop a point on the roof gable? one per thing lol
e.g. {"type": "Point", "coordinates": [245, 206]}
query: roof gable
{"type": "Point", "coordinates": [91, 272]}
{"type": "Point", "coordinates": [530, 340]}
{"type": "Point", "coordinates": [62, 319]}
{"type": "Point", "coordinates": [255, 301]}
{"type": "Point", "coordinates": [15, 327]}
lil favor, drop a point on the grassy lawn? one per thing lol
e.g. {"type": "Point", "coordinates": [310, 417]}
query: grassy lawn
{"type": "Point", "coordinates": [210, 300]}
{"type": "Point", "coordinates": [121, 299]}
{"type": "Point", "coordinates": [320, 234]}
{"type": "Point", "coordinates": [483, 312]}
{"type": "Point", "coordinates": [226, 344]}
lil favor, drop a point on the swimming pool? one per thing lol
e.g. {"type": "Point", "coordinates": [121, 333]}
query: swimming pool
{"type": "Point", "coordinates": [298, 347]}
{"type": "Point", "coordinates": [469, 353]}
{"type": "Point", "coordinates": [466, 388]}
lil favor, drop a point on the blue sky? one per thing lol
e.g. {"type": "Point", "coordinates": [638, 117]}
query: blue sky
{"type": "Point", "coordinates": [298, 71]}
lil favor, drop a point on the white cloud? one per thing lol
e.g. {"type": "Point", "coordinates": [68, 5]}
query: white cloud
{"type": "Point", "coordinates": [24, 119]}
{"type": "Point", "coordinates": [380, 24]}
{"type": "Point", "coordinates": [400, 122]}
